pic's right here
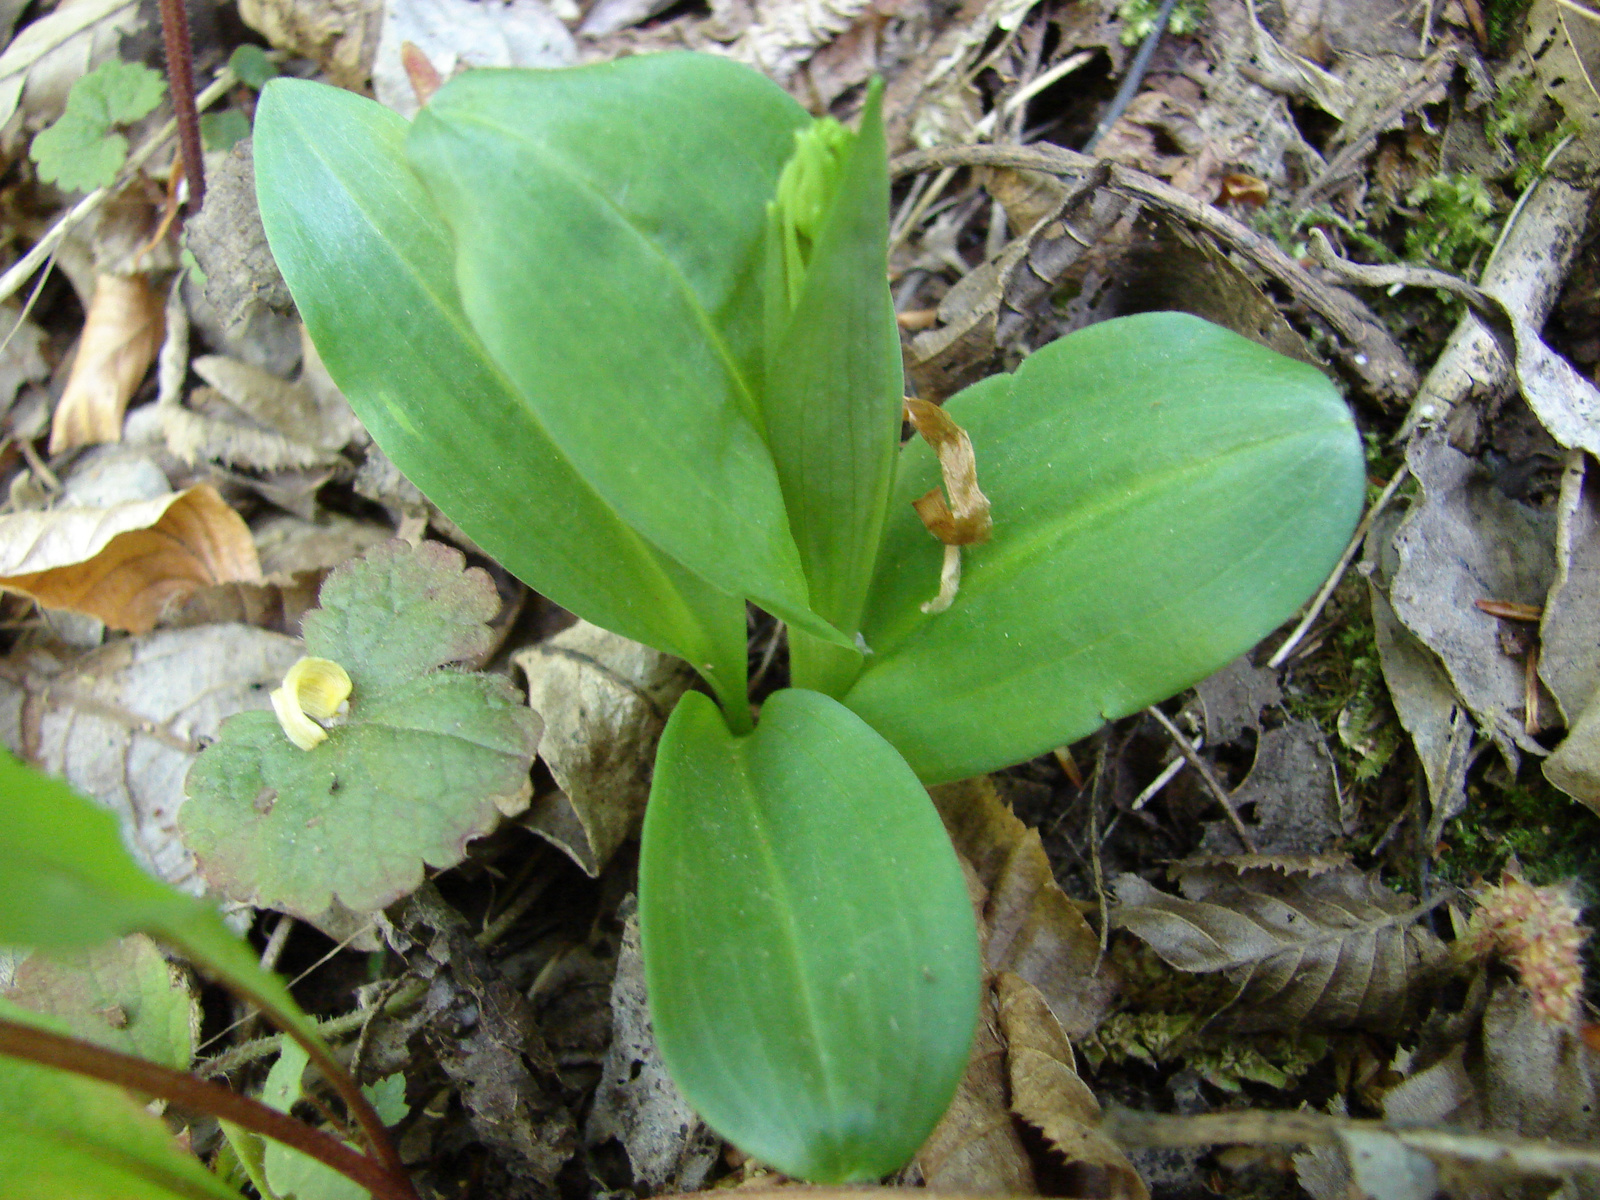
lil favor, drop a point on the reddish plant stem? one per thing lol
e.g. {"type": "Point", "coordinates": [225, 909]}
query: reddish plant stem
{"type": "Point", "coordinates": [85, 1058]}
{"type": "Point", "coordinates": [180, 79]}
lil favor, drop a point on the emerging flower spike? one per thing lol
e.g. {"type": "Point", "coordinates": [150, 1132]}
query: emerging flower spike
{"type": "Point", "coordinates": [963, 520]}
{"type": "Point", "coordinates": [805, 190]}
{"type": "Point", "coordinates": [1536, 929]}
{"type": "Point", "coordinates": [313, 687]}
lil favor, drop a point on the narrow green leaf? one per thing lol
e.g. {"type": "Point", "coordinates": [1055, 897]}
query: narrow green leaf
{"type": "Point", "coordinates": [70, 883]}
{"type": "Point", "coordinates": [65, 1136]}
{"type": "Point", "coordinates": [832, 381]}
{"type": "Point", "coordinates": [122, 994]}
{"type": "Point", "coordinates": [1165, 493]}
{"type": "Point", "coordinates": [608, 223]}
{"type": "Point", "coordinates": [809, 946]}
{"type": "Point", "coordinates": [371, 267]}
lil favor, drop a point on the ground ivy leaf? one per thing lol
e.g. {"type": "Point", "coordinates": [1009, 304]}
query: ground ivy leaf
{"type": "Point", "coordinates": [400, 612]}
{"type": "Point", "coordinates": [80, 151]}
{"type": "Point", "coordinates": [425, 761]}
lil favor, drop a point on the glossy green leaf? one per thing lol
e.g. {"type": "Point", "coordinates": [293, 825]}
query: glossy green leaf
{"type": "Point", "coordinates": [65, 1136]}
{"type": "Point", "coordinates": [832, 382]}
{"type": "Point", "coordinates": [371, 267]}
{"type": "Point", "coordinates": [70, 883]}
{"type": "Point", "coordinates": [609, 228]}
{"type": "Point", "coordinates": [809, 947]}
{"type": "Point", "coordinates": [1165, 493]}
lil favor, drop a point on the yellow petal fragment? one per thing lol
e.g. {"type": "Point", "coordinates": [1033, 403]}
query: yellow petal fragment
{"type": "Point", "coordinates": [314, 687]}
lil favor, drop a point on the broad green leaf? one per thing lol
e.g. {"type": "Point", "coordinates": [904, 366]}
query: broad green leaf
{"type": "Point", "coordinates": [809, 947]}
{"type": "Point", "coordinates": [426, 759]}
{"type": "Point", "coordinates": [65, 1136]}
{"type": "Point", "coordinates": [832, 377]}
{"type": "Point", "coordinates": [370, 264]}
{"type": "Point", "coordinates": [609, 224]}
{"type": "Point", "coordinates": [70, 883]}
{"type": "Point", "coordinates": [123, 994]}
{"type": "Point", "coordinates": [1165, 493]}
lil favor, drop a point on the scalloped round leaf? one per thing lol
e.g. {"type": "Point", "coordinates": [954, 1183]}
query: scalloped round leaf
{"type": "Point", "coordinates": [399, 612]}
{"type": "Point", "coordinates": [1164, 494]}
{"type": "Point", "coordinates": [424, 761]}
{"type": "Point", "coordinates": [416, 772]}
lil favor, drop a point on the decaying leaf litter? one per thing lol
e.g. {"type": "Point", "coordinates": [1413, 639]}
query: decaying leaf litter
{"type": "Point", "coordinates": [1321, 912]}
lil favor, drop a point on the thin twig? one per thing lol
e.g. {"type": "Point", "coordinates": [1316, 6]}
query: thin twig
{"type": "Point", "coordinates": [1134, 76]}
{"type": "Point", "coordinates": [1339, 568]}
{"type": "Point", "coordinates": [1212, 784]}
{"type": "Point", "coordinates": [20, 271]}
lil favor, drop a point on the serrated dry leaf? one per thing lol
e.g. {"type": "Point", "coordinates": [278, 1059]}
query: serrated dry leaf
{"type": "Point", "coordinates": [1029, 925]}
{"type": "Point", "coordinates": [123, 723]}
{"type": "Point", "coordinates": [605, 700]}
{"type": "Point", "coordinates": [126, 564]}
{"type": "Point", "coordinates": [785, 35]}
{"type": "Point", "coordinates": [1047, 1093]}
{"type": "Point", "coordinates": [121, 334]}
{"type": "Point", "coordinates": [1334, 950]}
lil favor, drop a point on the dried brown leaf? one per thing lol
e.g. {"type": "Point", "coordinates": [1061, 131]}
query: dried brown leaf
{"type": "Point", "coordinates": [668, 1146]}
{"type": "Point", "coordinates": [1569, 630]}
{"type": "Point", "coordinates": [1333, 950]}
{"type": "Point", "coordinates": [42, 62]}
{"type": "Point", "coordinates": [1029, 925]}
{"type": "Point", "coordinates": [120, 337]}
{"type": "Point", "coordinates": [1563, 45]}
{"type": "Point", "coordinates": [976, 1147]}
{"type": "Point", "coordinates": [123, 723]}
{"type": "Point", "coordinates": [126, 564]}
{"type": "Point", "coordinates": [1047, 1093]}
{"type": "Point", "coordinates": [340, 35]}
{"type": "Point", "coordinates": [1463, 541]}
{"type": "Point", "coordinates": [604, 700]}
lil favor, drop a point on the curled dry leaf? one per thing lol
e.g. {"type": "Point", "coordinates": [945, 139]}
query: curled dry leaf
{"type": "Point", "coordinates": [120, 337]}
{"type": "Point", "coordinates": [668, 1146]}
{"type": "Point", "coordinates": [604, 700]}
{"type": "Point", "coordinates": [1466, 540]}
{"type": "Point", "coordinates": [963, 520]}
{"type": "Point", "coordinates": [341, 35]}
{"type": "Point", "coordinates": [126, 564]}
{"type": "Point", "coordinates": [976, 1147]}
{"type": "Point", "coordinates": [1028, 924]}
{"type": "Point", "coordinates": [1332, 950]}
{"type": "Point", "coordinates": [1047, 1093]}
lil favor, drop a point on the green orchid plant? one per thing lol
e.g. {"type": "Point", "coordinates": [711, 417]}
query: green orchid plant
{"type": "Point", "coordinates": [628, 325]}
